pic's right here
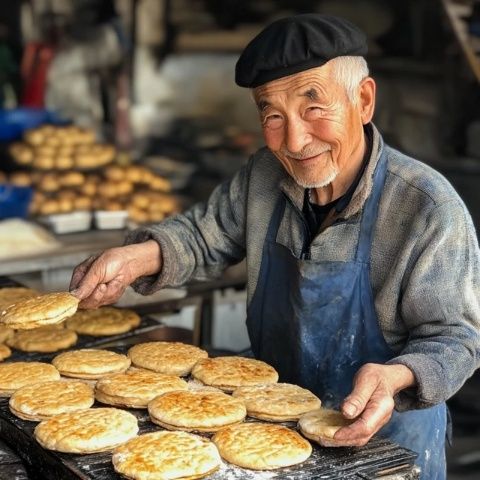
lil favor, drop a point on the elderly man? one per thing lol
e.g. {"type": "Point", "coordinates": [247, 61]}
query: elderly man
{"type": "Point", "coordinates": [363, 264]}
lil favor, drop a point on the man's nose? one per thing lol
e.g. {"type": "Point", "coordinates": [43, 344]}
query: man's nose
{"type": "Point", "coordinates": [297, 135]}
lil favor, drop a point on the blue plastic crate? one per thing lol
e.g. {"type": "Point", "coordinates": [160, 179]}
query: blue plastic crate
{"type": "Point", "coordinates": [14, 122]}
{"type": "Point", "coordinates": [14, 201]}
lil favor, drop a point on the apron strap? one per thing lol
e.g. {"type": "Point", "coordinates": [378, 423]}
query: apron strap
{"type": "Point", "coordinates": [370, 211]}
{"type": "Point", "coordinates": [277, 216]}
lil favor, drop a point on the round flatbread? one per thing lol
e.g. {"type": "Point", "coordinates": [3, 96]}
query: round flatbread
{"type": "Point", "coordinates": [15, 375]}
{"type": "Point", "coordinates": [261, 446]}
{"type": "Point", "coordinates": [103, 321]}
{"type": "Point", "coordinates": [277, 402]}
{"type": "Point", "coordinates": [196, 411]}
{"type": "Point", "coordinates": [322, 424]}
{"type": "Point", "coordinates": [43, 339]}
{"type": "Point", "coordinates": [5, 352]}
{"type": "Point", "coordinates": [5, 333]}
{"type": "Point", "coordinates": [87, 431]}
{"type": "Point", "coordinates": [38, 311]}
{"type": "Point", "coordinates": [229, 373]}
{"type": "Point", "coordinates": [43, 400]}
{"type": "Point", "coordinates": [90, 363]}
{"type": "Point", "coordinates": [135, 388]}
{"type": "Point", "coordinates": [11, 295]}
{"type": "Point", "coordinates": [166, 455]}
{"type": "Point", "coordinates": [173, 358]}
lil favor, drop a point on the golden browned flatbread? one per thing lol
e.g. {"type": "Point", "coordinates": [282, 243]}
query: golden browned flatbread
{"type": "Point", "coordinates": [173, 358]}
{"type": "Point", "coordinates": [229, 373]}
{"type": "Point", "coordinates": [103, 321]}
{"type": "Point", "coordinates": [196, 411]}
{"type": "Point", "coordinates": [39, 311]}
{"type": "Point", "coordinates": [43, 339]}
{"type": "Point", "coordinates": [43, 400]}
{"type": "Point", "coordinates": [322, 424]}
{"type": "Point", "coordinates": [15, 375]}
{"type": "Point", "coordinates": [11, 295]}
{"type": "Point", "coordinates": [261, 446]}
{"type": "Point", "coordinates": [90, 363]}
{"type": "Point", "coordinates": [136, 387]}
{"type": "Point", "coordinates": [87, 431]}
{"type": "Point", "coordinates": [166, 455]}
{"type": "Point", "coordinates": [278, 402]}
{"type": "Point", "coordinates": [5, 352]}
{"type": "Point", "coordinates": [5, 333]}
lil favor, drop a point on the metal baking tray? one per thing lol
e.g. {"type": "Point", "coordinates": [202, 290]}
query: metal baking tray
{"type": "Point", "coordinates": [374, 460]}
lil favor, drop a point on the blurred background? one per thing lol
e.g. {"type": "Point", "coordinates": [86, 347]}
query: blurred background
{"type": "Point", "coordinates": [119, 113]}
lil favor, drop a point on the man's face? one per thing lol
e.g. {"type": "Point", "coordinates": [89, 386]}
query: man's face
{"type": "Point", "coordinates": [311, 125]}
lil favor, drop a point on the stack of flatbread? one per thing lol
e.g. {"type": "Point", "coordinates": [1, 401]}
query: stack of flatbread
{"type": "Point", "coordinates": [103, 321]}
{"type": "Point", "coordinates": [43, 339]}
{"type": "Point", "coordinates": [199, 411]}
{"type": "Point", "coordinates": [90, 363]}
{"type": "Point", "coordinates": [229, 373]}
{"type": "Point", "coordinates": [173, 358]}
{"type": "Point", "coordinates": [87, 431]}
{"type": "Point", "coordinates": [261, 446]}
{"type": "Point", "coordinates": [277, 402]}
{"type": "Point", "coordinates": [16, 375]}
{"type": "Point", "coordinates": [43, 400]}
{"type": "Point", "coordinates": [136, 387]}
{"type": "Point", "coordinates": [322, 424]}
{"type": "Point", "coordinates": [162, 455]}
{"type": "Point", "coordinates": [39, 311]}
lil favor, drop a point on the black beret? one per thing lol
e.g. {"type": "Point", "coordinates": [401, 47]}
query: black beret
{"type": "Point", "coordinates": [294, 44]}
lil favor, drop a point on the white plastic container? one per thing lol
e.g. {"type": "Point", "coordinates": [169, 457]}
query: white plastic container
{"type": "Point", "coordinates": [68, 222]}
{"type": "Point", "coordinates": [110, 220]}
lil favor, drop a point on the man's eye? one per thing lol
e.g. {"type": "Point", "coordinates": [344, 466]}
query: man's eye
{"type": "Point", "coordinates": [272, 119]}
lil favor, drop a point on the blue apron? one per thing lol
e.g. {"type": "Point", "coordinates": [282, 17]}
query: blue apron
{"type": "Point", "coordinates": [315, 322]}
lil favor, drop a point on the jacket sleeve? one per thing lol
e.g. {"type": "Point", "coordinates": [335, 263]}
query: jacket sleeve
{"type": "Point", "coordinates": [440, 307]}
{"type": "Point", "coordinates": [200, 243]}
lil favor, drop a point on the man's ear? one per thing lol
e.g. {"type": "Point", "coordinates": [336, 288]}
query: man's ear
{"type": "Point", "coordinates": [367, 99]}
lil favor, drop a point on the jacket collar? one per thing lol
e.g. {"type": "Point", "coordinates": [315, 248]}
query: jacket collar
{"type": "Point", "coordinates": [296, 193]}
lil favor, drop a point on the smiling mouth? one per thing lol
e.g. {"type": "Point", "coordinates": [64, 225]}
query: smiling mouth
{"type": "Point", "coordinates": [306, 159]}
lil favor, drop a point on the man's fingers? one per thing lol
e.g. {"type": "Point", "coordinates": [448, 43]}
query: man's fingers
{"type": "Point", "coordinates": [93, 277]}
{"type": "Point", "coordinates": [80, 271]}
{"type": "Point", "coordinates": [104, 294]}
{"type": "Point", "coordinates": [375, 416]}
{"type": "Point", "coordinates": [364, 386]}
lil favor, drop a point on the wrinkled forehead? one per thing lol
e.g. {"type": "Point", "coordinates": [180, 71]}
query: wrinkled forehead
{"type": "Point", "coordinates": [315, 84]}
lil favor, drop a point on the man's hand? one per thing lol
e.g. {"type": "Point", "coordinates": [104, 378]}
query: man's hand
{"type": "Point", "coordinates": [371, 401]}
{"type": "Point", "coordinates": [102, 279]}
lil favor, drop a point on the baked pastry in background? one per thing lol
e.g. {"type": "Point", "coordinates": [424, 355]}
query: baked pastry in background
{"type": "Point", "coordinates": [43, 400]}
{"type": "Point", "coordinates": [87, 431]}
{"type": "Point", "coordinates": [261, 446]}
{"type": "Point", "coordinates": [103, 321]}
{"type": "Point", "coordinates": [15, 375]}
{"type": "Point", "coordinates": [277, 402]}
{"type": "Point", "coordinates": [5, 352]}
{"type": "Point", "coordinates": [47, 309]}
{"type": "Point", "coordinates": [173, 358]}
{"type": "Point", "coordinates": [229, 373]}
{"type": "Point", "coordinates": [90, 363]}
{"type": "Point", "coordinates": [166, 455]}
{"type": "Point", "coordinates": [43, 339]}
{"type": "Point", "coordinates": [322, 424]}
{"type": "Point", "coordinates": [196, 411]}
{"type": "Point", "coordinates": [136, 387]}
{"type": "Point", "coordinates": [11, 295]}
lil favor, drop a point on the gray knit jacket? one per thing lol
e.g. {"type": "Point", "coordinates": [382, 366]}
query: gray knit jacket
{"type": "Point", "coordinates": [425, 259]}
